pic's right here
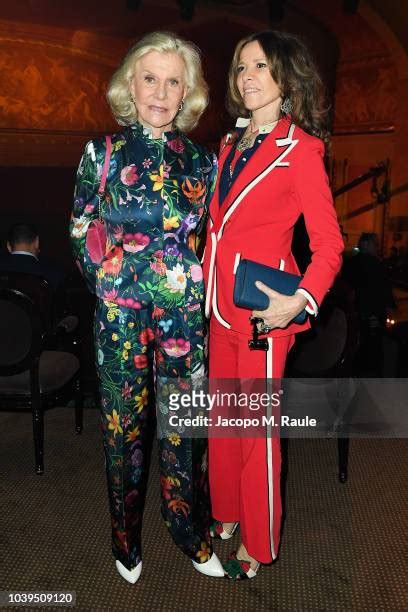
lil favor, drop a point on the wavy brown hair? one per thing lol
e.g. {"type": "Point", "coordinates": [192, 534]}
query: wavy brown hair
{"type": "Point", "coordinates": [293, 69]}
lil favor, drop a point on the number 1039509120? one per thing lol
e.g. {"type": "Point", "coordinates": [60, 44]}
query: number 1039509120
{"type": "Point", "coordinates": [38, 598]}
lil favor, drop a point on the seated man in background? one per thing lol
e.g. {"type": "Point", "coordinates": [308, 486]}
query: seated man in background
{"type": "Point", "coordinates": [367, 275]}
{"type": "Point", "coordinates": [23, 245]}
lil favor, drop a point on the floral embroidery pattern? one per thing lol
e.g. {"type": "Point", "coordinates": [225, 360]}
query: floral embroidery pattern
{"type": "Point", "coordinates": [150, 286]}
{"type": "Point", "coordinates": [156, 195]}
{"type": "Point", "coordinates": [127, 341]}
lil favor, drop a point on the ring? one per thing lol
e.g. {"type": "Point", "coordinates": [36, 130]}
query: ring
{"type": "Point", "coordinates": [263, 328]}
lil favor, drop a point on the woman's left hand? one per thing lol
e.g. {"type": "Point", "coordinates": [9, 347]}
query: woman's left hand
{"type": "Point", "coordinates": [282, 309]}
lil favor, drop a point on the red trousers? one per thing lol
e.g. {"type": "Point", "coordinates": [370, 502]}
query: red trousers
{"type": "Point", "coordinates": [245, 472]}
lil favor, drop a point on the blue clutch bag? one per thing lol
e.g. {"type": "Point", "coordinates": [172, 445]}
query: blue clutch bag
{"type": "Point", "coordinates": [246, 295]}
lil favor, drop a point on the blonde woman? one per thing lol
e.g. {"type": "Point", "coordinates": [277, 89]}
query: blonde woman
{"type": "Point", "coordinates": [148, 322]}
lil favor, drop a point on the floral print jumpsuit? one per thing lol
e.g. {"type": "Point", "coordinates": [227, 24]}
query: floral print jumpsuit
{"type": "Point", "coordinates": [148, 323]}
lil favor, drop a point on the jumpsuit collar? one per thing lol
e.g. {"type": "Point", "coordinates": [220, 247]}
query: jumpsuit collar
{"type": "Point", "coordinates": [147, 133]}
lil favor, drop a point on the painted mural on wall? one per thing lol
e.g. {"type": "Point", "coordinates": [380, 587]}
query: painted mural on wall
{"type": "Point", "coordinates": [365, 95]}
{"type": "Point", "coordinates": [51, 89]}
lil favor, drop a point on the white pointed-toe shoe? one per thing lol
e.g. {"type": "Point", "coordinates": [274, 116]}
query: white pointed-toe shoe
{"type": "Point", "coordinates": [212, 567]}
{"type": "Point", "coordinates": [131, 576]}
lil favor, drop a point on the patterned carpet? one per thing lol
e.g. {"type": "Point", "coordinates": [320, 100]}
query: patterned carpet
{"type": "Point", "coordinates": [343, 547]}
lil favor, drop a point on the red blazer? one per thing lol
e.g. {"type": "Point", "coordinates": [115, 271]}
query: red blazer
{"type": "Point", "coordinates": [283, 179]}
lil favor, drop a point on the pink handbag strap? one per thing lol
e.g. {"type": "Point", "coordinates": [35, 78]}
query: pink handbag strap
{"type": "Point", "coordinates": [105, 168]}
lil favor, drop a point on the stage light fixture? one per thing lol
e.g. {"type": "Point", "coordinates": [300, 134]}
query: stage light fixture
{"type": "Point", "coordinates": [133, 5]}
{"type": "Point", "coordinates": [350, 6]}
{"type": "Point", "coordinates": [187, 9]}
{"type": "Point", "coordinates": [276, 10]}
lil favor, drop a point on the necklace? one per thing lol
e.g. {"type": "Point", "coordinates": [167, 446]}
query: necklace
{"type": "Point", "coordinates": [247, 141]}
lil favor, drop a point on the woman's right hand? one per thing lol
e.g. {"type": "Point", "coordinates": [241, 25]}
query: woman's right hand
{"type": "Point", "coordinates": [282, 309]}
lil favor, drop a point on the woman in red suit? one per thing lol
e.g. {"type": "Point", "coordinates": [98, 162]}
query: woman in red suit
{"type": "Point", "coordinates": [271, 172]}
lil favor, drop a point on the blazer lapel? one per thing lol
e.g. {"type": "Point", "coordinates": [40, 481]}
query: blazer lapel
{"type": "Point", "coordinates": [269, 155]}
{"type": "Point", "coordinates": [215, 209]}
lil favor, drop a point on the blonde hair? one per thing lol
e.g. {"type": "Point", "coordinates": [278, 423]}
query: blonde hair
{"type": "Point", "coordinates": [196, 99]}
{"type": "Point", "coordinates": [294, 71]}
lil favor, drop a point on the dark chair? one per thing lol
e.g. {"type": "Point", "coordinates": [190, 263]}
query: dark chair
{"type": "Point", "coordinates": [324, 355]}
{"type": "Point", "coordinates": [61, 329]}
{"type": "Point", "coordinates": [30, 376]}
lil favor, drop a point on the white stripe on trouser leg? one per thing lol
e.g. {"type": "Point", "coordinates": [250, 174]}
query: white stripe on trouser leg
{"type": "Point", "coordinates": [269, 371]}
{"type": "Point", "coordinates": [269, 383]}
